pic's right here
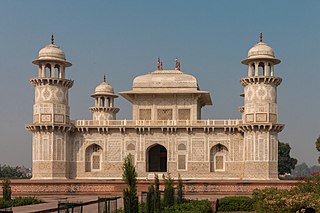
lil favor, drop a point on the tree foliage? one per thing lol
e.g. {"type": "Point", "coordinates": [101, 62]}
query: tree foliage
{"type": "Point", "coordinates": [302, 196]}
{"type": "Point", "coordinates": [318, 146]}
{"type": "Point", "coordinates": [285, 162]}
{"type": "Point", "coordinates": [168, 198]}
{"type": "Point", "coordinates": [130, 178]}
{"type": "Point", "coordinates": [13, 172]}
{"type": "Point", "coordinates": [180, 190]}
{"type": "Point", "coordinates": [150, 200]}
{"type": "Point", "coordinates": [6, 189]}
{"type": "Point", "coordinates": [157, 201]}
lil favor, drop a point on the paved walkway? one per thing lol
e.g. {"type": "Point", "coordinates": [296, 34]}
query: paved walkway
{"type": "Point", "coordinates": [52, 202]}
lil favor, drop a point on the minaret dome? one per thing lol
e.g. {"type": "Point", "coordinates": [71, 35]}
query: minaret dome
{"type": "Point", "coordinates": [261, 56]}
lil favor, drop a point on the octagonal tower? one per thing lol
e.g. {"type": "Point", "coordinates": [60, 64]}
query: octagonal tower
{"type": "Point", "coordinates": [260, 114]}
{"type": "Point", "coordinates": [51, 124]}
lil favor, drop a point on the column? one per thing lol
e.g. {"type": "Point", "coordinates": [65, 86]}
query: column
{"type": "Point", "coordinates": [272, 70]}
{"type": "Point", "coordinates": [249, 70]}
{"type": "Point", "coordinates": [265, 71]}
{"type": "Point", "coordinates": [256, 69]}
{"type": "Point", "coordinates": [51, 70]}
{"type": "Point", "coordinates": [43, 71]}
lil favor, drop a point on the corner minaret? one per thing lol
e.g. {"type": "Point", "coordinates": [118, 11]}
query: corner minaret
{"type": "Point", "coordinates": [51, 120]}
{"type": "Point", "coordinates": [104, 108]}
{"type": "Point", "coordinates": [259, 114]}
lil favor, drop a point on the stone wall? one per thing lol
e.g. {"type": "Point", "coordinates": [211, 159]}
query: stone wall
{"type": "Point", "coordinates": [115, 187]}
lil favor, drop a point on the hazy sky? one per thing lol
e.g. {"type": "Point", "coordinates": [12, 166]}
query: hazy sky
{"type": "Point", "coordinates": [123, 39]}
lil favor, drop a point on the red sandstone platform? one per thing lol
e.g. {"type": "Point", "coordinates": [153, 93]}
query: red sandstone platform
{"type": "Point", "coordinates": [115, 187]}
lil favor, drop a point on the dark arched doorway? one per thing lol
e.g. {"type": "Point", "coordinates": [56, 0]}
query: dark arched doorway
{"type": "Point", "coordinates": [157, 158]}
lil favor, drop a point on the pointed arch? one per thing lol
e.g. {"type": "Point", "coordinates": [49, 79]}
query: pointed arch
{"type": "Point", "coordinates": [218, 155]}
{"type": "Point", "coordinates": [93, 158]}
{"type": "Point", "coordinates": [157, 158]}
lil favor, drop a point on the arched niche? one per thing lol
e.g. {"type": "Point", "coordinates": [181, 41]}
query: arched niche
{"type": "Point", "coordinates": [218, 155]}
{"type": "Point", "coordinates": [93, 158]}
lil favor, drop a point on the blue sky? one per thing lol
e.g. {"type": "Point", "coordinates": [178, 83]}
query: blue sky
{"type": "Point", "coordinates": [123, 39]}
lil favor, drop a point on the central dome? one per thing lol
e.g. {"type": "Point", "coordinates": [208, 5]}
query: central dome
{"type": "Point", "coordinates": [165, 79]}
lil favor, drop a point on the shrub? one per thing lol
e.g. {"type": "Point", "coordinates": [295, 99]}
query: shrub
{"type": "Point", "coordinates": [304, 195]}
{"type": "Point", "coordinates": [191, 206]}
{"type": "Point", "coordinates": [236, 203]}
{"type": "Point", "coordinates": [19, 201]}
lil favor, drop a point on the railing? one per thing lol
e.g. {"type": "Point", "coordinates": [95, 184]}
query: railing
{"type": "Point", "coordinates": [156, 123]}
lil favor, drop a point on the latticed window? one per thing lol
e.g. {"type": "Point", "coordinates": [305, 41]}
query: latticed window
{"type": "Point", "coordinates": [96, 148]}
{"type": "Point", "coordinates": [184, 114]}
{"type": "Point", "coordinates": [145, 114]}
{"type": "Point", "coordinates": [219, 163]}
{"type": "Point", "coordinates": [96, 162]}
{"type": "Point", "coordinates": [164, 114]}
{"type": "Point", "coordinates": [181, 162]}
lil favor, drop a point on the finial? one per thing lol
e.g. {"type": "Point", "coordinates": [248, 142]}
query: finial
{"type": "Point", "coordinates": [260, 37]}
{"type": "Point", "coordinates": [104, 78]}
{"type": "Point", "coordinates": [159, 64]}
{"type": "Point", "coordinates": [177, 64]}
{"type": "Point", "coordinates": [52, 38]}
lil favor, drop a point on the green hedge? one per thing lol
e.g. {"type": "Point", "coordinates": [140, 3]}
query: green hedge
{"type": "Point", "coordinates": [236, 203]}
{"type": "Point", "coordinates": [190, 206]}
{"type": "Point", "coordinates": [19, 201]}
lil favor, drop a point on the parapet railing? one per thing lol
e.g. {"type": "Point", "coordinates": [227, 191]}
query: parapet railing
{"type": "Point", "coordinates": [157, 123]}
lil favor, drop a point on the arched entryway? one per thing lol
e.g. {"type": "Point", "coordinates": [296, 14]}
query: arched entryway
{"type": "Point", "coordinates": [157, 158]}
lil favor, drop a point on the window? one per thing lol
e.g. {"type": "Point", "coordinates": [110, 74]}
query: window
{"type": "Point", "coordinates": [164, 114]}
{"type": "Point", "coordinates": [145, 114]}
{"type": "Point", "coordinates": [181, 162]}
{"type": "Point", "coordinates": [183, 114]}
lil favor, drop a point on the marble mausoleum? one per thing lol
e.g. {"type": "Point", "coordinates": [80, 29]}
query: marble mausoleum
{"type": "Point", "coordinates": [166, 134]}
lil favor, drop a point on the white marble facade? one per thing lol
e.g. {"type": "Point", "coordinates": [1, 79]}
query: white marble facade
{"type": "Point", "coordinates": [166, 134]}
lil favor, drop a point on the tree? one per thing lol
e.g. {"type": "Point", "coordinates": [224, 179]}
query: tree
{"type": "Point", "coordinates": [301, 170]}
{"type": "Point", "coordinates": [13, 172]}
{"type": "Point", "coordinates": [156, 198]}
{"type": "Point", "coordinates": [285, 162]}
{"type": "Point", "coordinates": [130, 178]}
{"type": "Point", "coordinates": [180, 190]}
{"type": "Point", "coordinates": [150, 199]}
{"type": "Point", "coordinates": [318, 147]}
{"type": "Point", "coordinates": [6, 189]}
{"type": "Point", "coordinates": [168, 198]}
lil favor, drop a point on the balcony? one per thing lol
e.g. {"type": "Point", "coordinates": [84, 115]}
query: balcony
{"type": "Point", "coordinates": [156, 123]}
